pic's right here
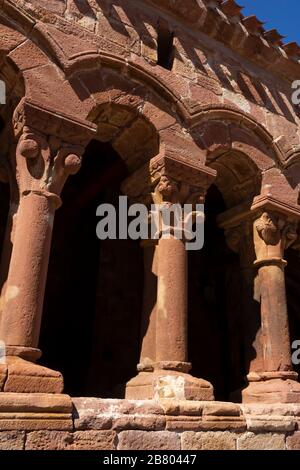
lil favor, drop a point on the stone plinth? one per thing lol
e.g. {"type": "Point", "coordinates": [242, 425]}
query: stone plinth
{"type": "Point", "coordinates": [19, 375]}
{"type": "Point", "coordinates": [168, 384]}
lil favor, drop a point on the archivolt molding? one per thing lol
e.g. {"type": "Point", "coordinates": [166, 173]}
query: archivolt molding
{"type": "Point", "coordinates": [258, 135]}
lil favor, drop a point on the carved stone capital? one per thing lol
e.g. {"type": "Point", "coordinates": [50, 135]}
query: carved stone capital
{"type": "Point", "coordinates": [48, 149]}
{"type": "Point", "coordinates": [273, 229]}
{"type": "Point", "coordinates": [166, 179]}
{"type": "Point", "coordinates": [273, 233]}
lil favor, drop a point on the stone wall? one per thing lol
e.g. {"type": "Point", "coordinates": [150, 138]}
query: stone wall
{"type": "Point", "coordinates": [165, 425]}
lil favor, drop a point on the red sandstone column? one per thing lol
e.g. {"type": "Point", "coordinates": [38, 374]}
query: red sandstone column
{"type": "Point", "coordinates": [274, 231]}
{"type": "Point", "coordinates": [42, 165]}
{"type": "Point", "coordinates": [148, 331]}
{"type": "Point", "coordinates": [24, 294]}
{"type": "Point", "coordinates": [171, 330]}
{"type": "Point", "coordinates": [270, 238]}
{"type": "Point", "coordinates": [260, 236]}
{"type": "Point", "coordinates": [173, 181]}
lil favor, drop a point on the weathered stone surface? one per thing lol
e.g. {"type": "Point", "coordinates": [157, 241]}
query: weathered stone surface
{"type": "Point", "coordinates": [9, 38]}
{"type": "Point", "coordinates": [35, 403]}
{"type": "Point", "coordinates": [183, 407]}
{"type": "Point", "coordinates": [168, 384]}
{"type": "Point", "coordinates": [268, 441]}
{"type": "Point", "coordinates": [221, 409]}
{"type": "Point", "coordinates": [265, 409]}
{"type": "Point", "coordinates": [80, 440]}
{"type": "Point", "coordinates": [3, 375]}
{"type": "Point", "coordinates": [271, 423]}
{"type": "Point", "coordinates": [183, 423]}
{"type": "Point", "coordinates": [233, 423]}
{"type": "Point", "coordinates": [33, 422]}
{"type": "Point", "coordinates": [293, 441]}
{"type": "Point", "coordinates": [23, 376]}
{"type": "Point", "coordinates": [272, 391]}
{"type": "Point", "coordinates": [30, 411]}
{"type": "Point", "coordinates": [48, 440]}
{"type": "Point", "coordinates": [28, 56]}
{"type": "Point", "coordinates": [12, 440]}
{"type": "Point", "coordinates": [208, 441]}
{"type": "Point", "coordinates": [139, 440]}
{"type": "Point", "coordinates": [94, 440]}
{"type": "Point", "coordinates": [93, 422]}
{"type": "Point", "coordinates": [146, 423]}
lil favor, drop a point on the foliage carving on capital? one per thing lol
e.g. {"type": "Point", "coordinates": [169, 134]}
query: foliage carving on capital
{"type": "Point", "coordinates": [273, 234]}
{"type": "Point", "coordinates": [273, 229]}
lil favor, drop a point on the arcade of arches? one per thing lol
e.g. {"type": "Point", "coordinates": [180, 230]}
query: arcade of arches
{"type": "Point", "coordinates": [92, 115]}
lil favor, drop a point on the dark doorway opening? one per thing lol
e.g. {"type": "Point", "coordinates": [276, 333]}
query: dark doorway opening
{"type": "Point", "coordinates": [91, 321]}
{"type": "Point", "coordinates": [215, 341]}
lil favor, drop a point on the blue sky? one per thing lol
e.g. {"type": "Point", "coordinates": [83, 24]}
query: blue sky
{"type": "Point", "coordinates": [284, 15]}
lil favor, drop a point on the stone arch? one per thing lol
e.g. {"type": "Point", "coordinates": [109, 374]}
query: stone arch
{"type": "Point", "coordinates": [127, 112]}
{"type": "Point", "coordinates": [244, 153]}
{"type": "Point", "coordinates": [105, 84]}
{"type": "Point", "coordinates": [133, 137]}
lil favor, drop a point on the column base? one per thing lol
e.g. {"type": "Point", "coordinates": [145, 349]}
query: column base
{"type": "Point", "coordinates": [20, 376]}
{"type": "Point", "coordinates": [22, 411]}
{"type": "Point", "coordinates": [163, 382]}
{"type": "Point", "coordinates": [271, 387]}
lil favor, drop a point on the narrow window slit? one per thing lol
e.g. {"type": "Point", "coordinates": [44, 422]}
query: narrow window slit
{"type": "Point", "coordinates": [165, 47]}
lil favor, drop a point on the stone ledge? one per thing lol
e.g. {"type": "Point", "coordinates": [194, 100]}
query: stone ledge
{"type": "Point", "coordinates": [41, 421]}
{"type": "Point", "coordinates": [181, 416]}
{"type": "Point", "coordinates": [30, 411]}
{"type": "Point", "coordinates": [266, 441]}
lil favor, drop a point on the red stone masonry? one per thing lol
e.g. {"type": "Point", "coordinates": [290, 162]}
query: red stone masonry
{"type": "Point", "coordinates": [218, 112]}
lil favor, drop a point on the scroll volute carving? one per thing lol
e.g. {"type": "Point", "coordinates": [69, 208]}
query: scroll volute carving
{"type": "Point", "coordinates": [272, 235]}
{"type": "Point", "coordinates": [44, 163]}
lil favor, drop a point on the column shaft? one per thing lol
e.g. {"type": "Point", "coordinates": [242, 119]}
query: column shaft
{"type": "Point", "coordinates": [24, 294]}
{"type": "Point", "coordinates": [171, 330]}
{"type": "Point", "coordinates": [274, 319]}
